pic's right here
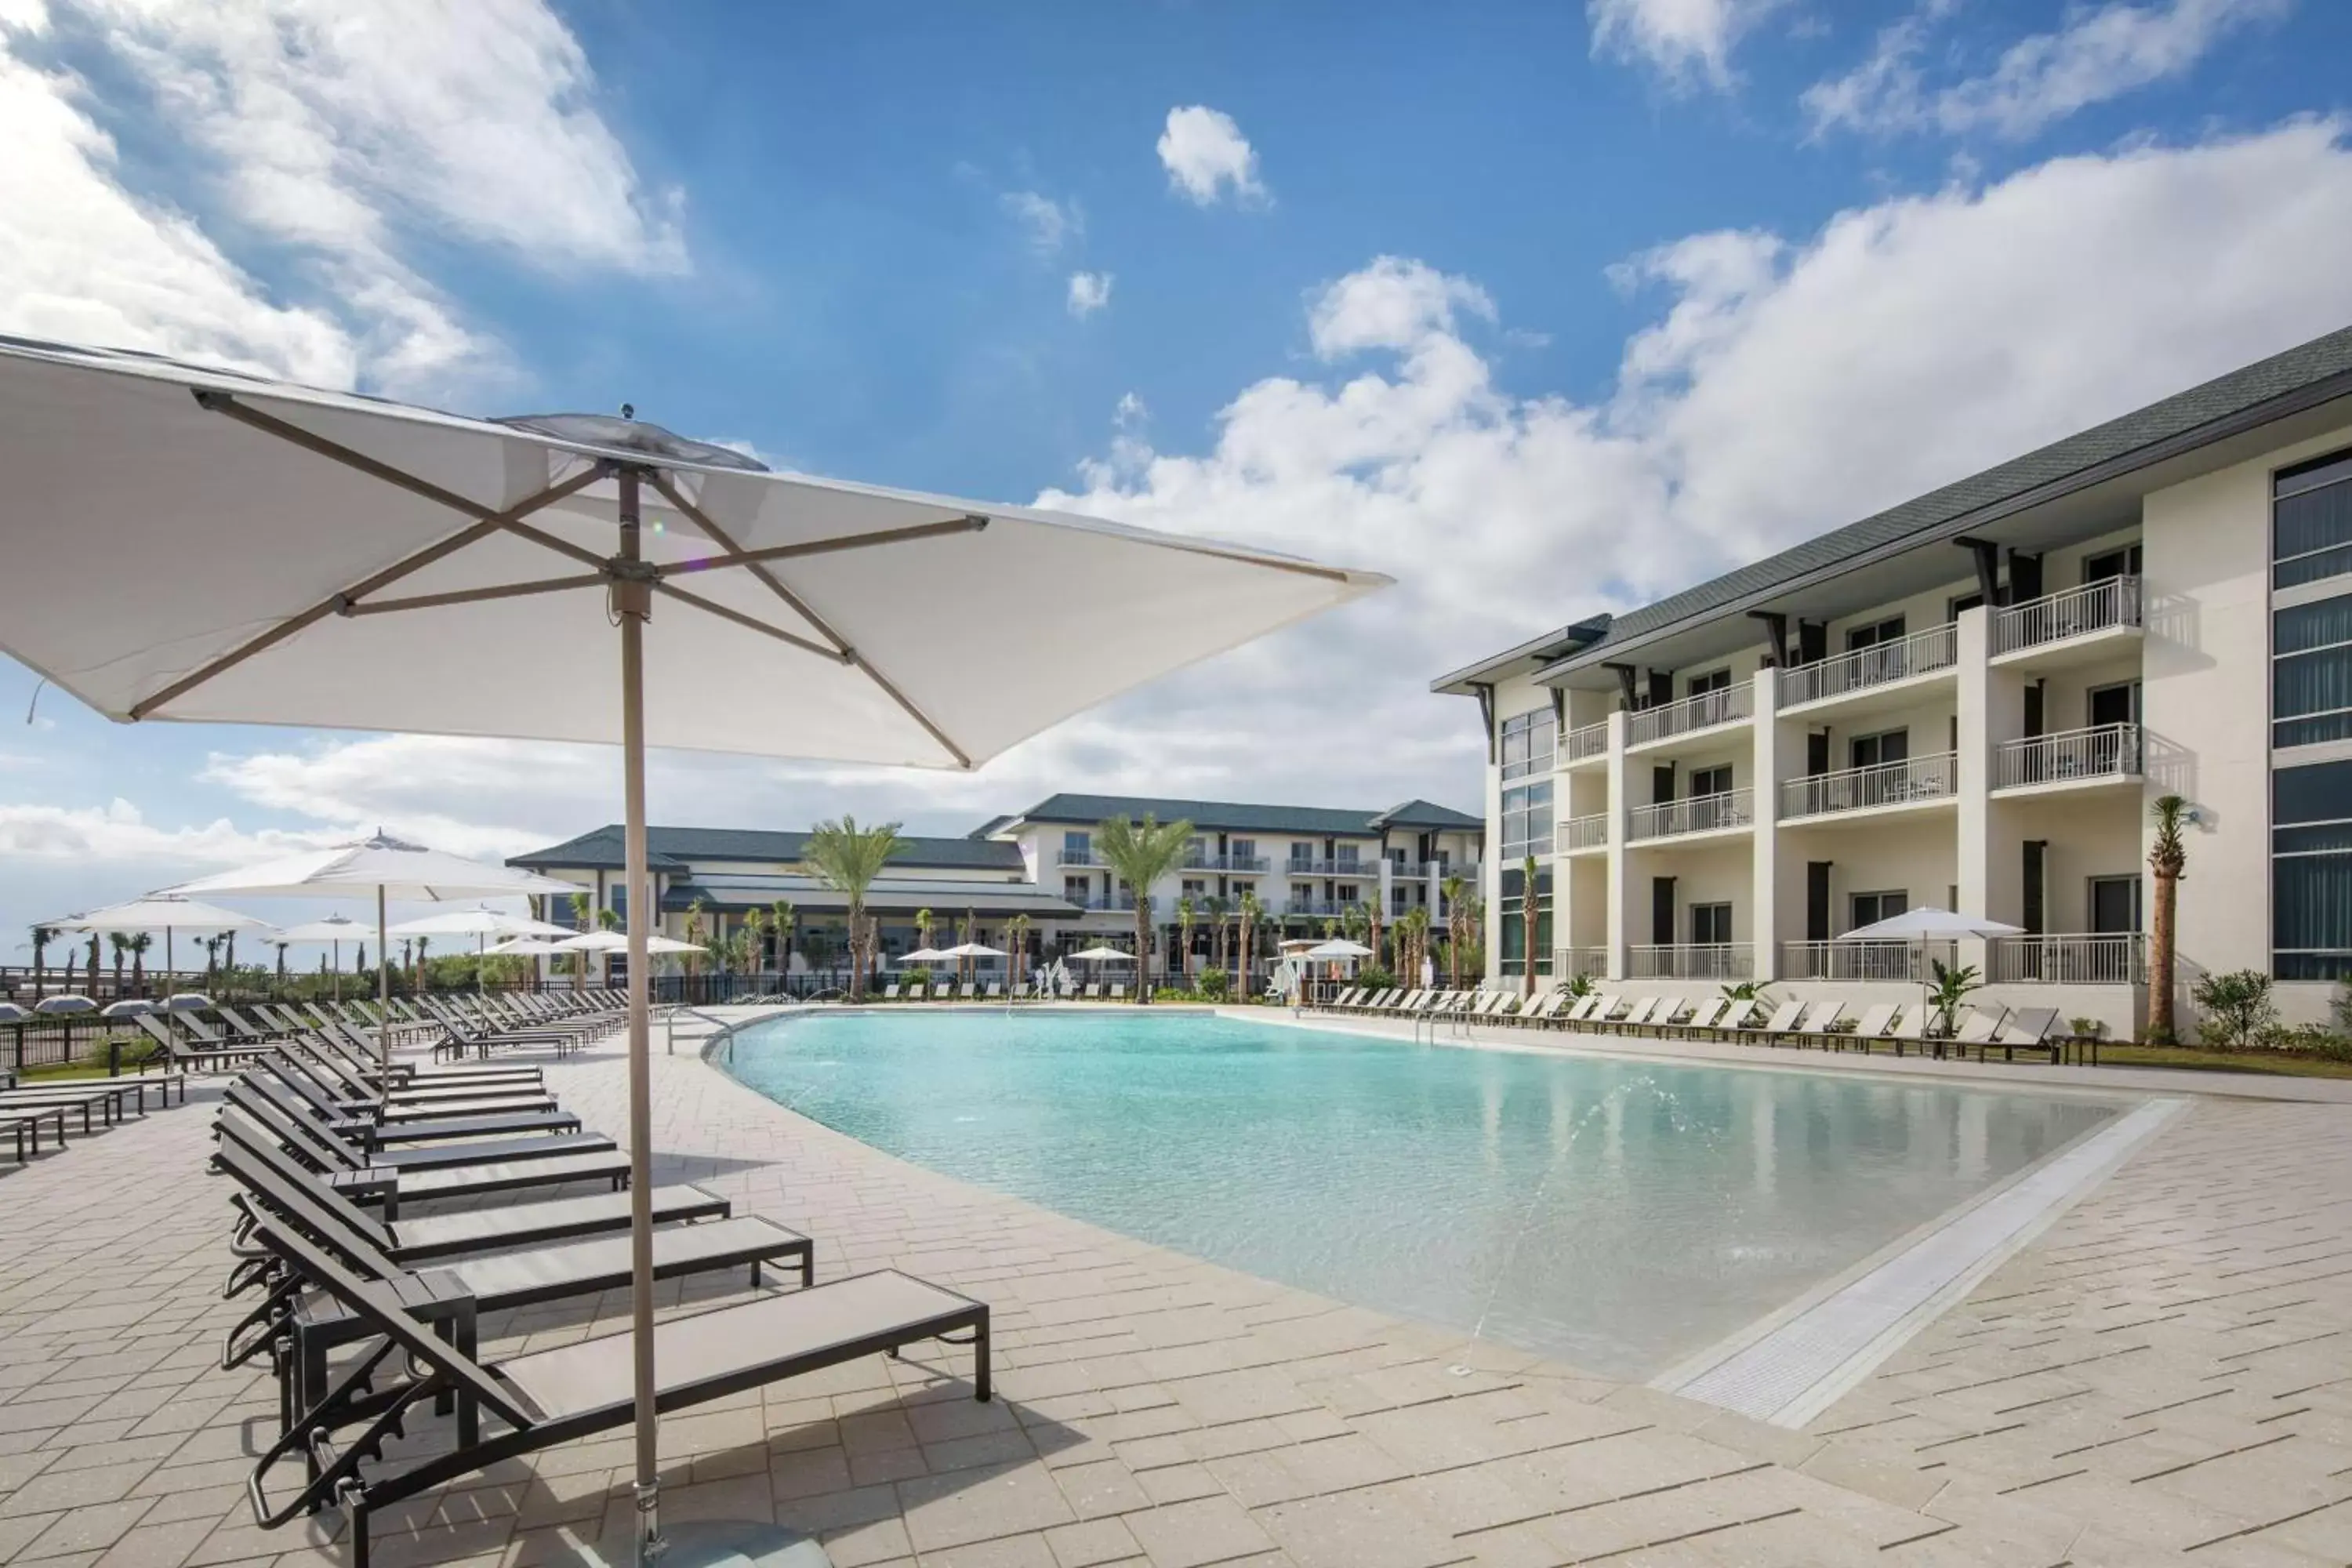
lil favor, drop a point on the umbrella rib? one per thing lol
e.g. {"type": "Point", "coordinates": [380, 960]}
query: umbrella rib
{"type": "Point", "coordinates": [475, 595]}
{"type": "Point", "coordinates": [755, 560]}
{"type": "Point", "coordinates": [485, 525]}
{"type": "Point", "coordinates": [751, 622]}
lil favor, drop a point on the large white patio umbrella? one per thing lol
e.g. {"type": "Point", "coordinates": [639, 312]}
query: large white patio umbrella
{"type": "Point", "coordinates": [166, 913]}
{"type": "Point", "coordinates": [216, 547]}
{"type": "Point", "coordinates": [389, 868]}
{"type": "Point", "coordinates": [1926, 924]}
{"type": "Point", "coordinates": [481, 924]}
{"type": "Point", "coordinates": [335, 930]}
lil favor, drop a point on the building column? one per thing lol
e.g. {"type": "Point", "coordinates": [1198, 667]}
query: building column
{"type": "Point", "coordinates": [1991, 708]}
{"type": "Point", "coordinates": [1764, 783]}
{"type": "Point", "coordinates": [1622, 916]}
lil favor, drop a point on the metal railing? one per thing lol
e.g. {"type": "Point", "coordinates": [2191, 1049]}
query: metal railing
{"type": "Point", "coordinates": [1898, 961]}
{"type": "Point", "coordinates": [1859, 789]}
{"type": "Point", "coordinates": [1591, 740]}
{"type": "Point", "coordinates": [1698, 814]}
{"type": "Point", "coordinates": [1323, 906]}
{"type": "Point", "coordinates": [1075, 857]}
{"type": "Point", "coordinates": [2102, 959]}
{"type": "Point", "coordinates": [2104, 751]}
{"type": "Point", "coordinates": [1583, 833]}
{"type": "Point", "coordinates": [1100, 903]}
{"type": "Point", "coordinates": [1567, 963]}
{"type": "Point", "coordinates": [2093, 607]}
{"type": "Point", "coordinates": [1368, 867]}
{"type": "Point", "coordinates": [1703, 711]}
{"type": "Point", "coordinates": [1225, 863]}
{"type": "Point", "coordinates": [1690, 961]}
{"type": "Point", "coordinates": [1882, 664]}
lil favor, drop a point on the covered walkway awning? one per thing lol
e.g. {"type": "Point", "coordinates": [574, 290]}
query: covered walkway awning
{"type": "Point", "coordinates": [893, 895]}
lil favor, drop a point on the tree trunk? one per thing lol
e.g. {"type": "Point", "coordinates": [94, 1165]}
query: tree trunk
{"type": "Point", "coordinates": [2162, 1029]}
{"type": "Point", "coordinates": [1142, 949]}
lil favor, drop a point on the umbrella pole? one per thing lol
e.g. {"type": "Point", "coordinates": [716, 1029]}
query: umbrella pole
{"type": "Point", "coordinates": [384, 1006]}
{"type": "Point", "coordinates": [633, 598]}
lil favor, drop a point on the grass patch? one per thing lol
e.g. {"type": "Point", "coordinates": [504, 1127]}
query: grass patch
{"type": "Point", "coordinates": [2277, 1064]}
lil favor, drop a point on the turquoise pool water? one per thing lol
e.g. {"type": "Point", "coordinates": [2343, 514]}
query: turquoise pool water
{"type": "Point", "coordinates": [1618, 1215]}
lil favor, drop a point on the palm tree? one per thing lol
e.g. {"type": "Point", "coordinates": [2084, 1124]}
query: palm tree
{"type": "Point", "coordinates": [423, 942]}
{"type": "Point", "coordinates": [139, 946]}
{"type": "Point", "coordinates": [847, 858]}
{"type": "Point", "coordinates": [693, 936]}
{"type": "Point", "coordinates": [1356, 921]}
{"type": "Point", "coordinates": [1251, 912]}
{"type": "Point", "coordinates": [281, 948]}
{"type": "Point", "coordinates": [1219, 910]}
{"type": "Point", "coordinates": [1455, 891]}
{"type": "Point", "coordinates": [42, 937]}
{"type": "Point", "coordinates": [1185, 912]}
{"type": "Point", "coordinates": [782, 917]}
{"type": "Point", "coordinates": [229, 952]}
{"type": "Point", "coordinates": [121, 943]}
{"type": "Point", "coordinates": [2168, 858]}
{"type": "Point", "coordinates": [1016, 945]}
{"type": "Point", "coordinates": [924, 920]}
{"type": "Point", "coordinates": [1140, 853]}
{"type": "Point", "coordinates": [92, 987]}
{"type": "Point", "coordinates": [1528, 905]}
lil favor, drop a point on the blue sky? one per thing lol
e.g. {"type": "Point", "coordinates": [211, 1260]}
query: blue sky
{"type": "Point", "coordinates": [1542, 308]}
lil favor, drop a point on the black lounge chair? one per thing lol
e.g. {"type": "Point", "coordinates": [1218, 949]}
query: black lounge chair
{"type": "Point", "coordinates": [346, 1171]}
{"type": "Point", "coordinates": [546, 1397]}
{"type": "Point", "coordinates": [185, 1055]}
{"type": "Point", "coordinates": [26, 1127]}
{"type": "Point", "coordinates": [343, 1122]}
{"type": "Point", "coordinates": [520, 1094]}
{"type": "Point", "coordinates": [481, 1149]}
{"type": "Point", "coordinates": [275, 1177]}
{"type": "Point", "coordinates": [87, 1096]}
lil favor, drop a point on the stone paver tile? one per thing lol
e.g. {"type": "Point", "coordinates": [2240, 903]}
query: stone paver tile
{"type": "Point", "coordinates": [979, 1505]}
{"type": "Point", "coordinates": [93, 1528]}
{"type": "Point", "coordinates": [1202, 1531]}
{"type": "Point", "coordinates": [1101, 1489]}
{"type": "Point", "coordinates": [1374, 1527]}
{"type": "Point", "coordinates": [1092, 1542]}
{"type": "Point", "coordinates": [157, 1545]}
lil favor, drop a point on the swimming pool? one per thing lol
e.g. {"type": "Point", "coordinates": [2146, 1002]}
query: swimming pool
{"type": "Point", "coordinates": [1619, 1215]}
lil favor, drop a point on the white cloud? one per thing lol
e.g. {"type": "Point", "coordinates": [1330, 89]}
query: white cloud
{"type": "Point", "coordinates": [1683, 40]}
{"type": "Point", "coordinates": [2098, 55]}
{"type": "Point", "coordinates": [1051, 224]}
{"type": "Point", "coordinates": [1089, 292]}
{"type": "Point", "coordinates": [324, 136]}
{"type": "Point", "coordinates": [118, 832]}
{"type": "Point", "coordinates": [1206, 156]}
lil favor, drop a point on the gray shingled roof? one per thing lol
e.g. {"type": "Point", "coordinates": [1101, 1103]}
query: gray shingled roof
{"type": "Point", "coordinates": [888, 895]}
{"type": "Point", "coordinates": [2268, 389]}
{"type": "Point", "coordinates": [1232, 815]}
{"type": "Point", "coordinates": [669, 848]}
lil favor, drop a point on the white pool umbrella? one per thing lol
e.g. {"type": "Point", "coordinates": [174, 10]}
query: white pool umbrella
{"type": "Point", "coordinates": [166, 913]}
{"type": "Point", "coordinates": [335, 930]}
{"type": "Point", "coordinates": [1100, 954]}
{"type": "Point", "coordinates": [922, 956]}
{"type": "Point", "coordinates": [1337, 947]}
{"type": "Point", "coordinates": [1926, 924]}
{"type": "Point", "coordinates": [252, 545]}
{"type": "Point", "coordinates": [526, 946]}
{"type": "Point", "coordinates": [617, 941]}
{"type": "Point", "coordinates": [388, 868]}
{"type": "Point", "coordinates": [972, 950]}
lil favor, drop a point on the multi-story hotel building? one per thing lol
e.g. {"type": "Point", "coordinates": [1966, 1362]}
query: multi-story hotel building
{"type": "Point", "coordinates": [1970, 701]}
{"type": "Point", "coordinates": [1306, 866]}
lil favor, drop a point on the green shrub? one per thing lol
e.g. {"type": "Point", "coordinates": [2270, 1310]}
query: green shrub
{"type": "Point", "coordinates": [1212, 983]}
{"type": "Point", "coordinates": [2237, 1006]}
{"type": "Point", "coordinates": [2306, 1040]}
{"type": "Point", "coordinates": [1376, 979]}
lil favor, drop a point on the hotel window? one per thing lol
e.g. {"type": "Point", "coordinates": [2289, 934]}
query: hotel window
{"type": "Point", "coordinates": [1346, 894]}
{"type": "Point", "coordinates": [1243, 849]}
{"type": "Point", "coordinates": [2311, 672]}
{"type": "Point", "coordinates": [1869, 908]}
{"type": "Point", "coordinates": [1889, 746]}
{"type": "Point", "coordinates": [1710, 925]}
{"type": "Point", "coordinates": [1527, 743]}
{"type": "Point", "coordinates": [1527, 820]}
{"type": "Point", "coordinates": [1711, 781]}
{"type": "Point", "coordinates": [1511, 928]}
{"type": "Point", "coordinates": [1345, 854]}
{"type": "Point", "coordinates": [1078, 847]}
{"type": "Point", "coordinates": [1301, 853]}
{"type": "Point", "coordinates": [1194, 889]}
{"type": "Point", "coordinates": [2311, 522]}
{"type": "Point", "coordinates": [2311, 872]}
{"type": "Point", "coordinates": [619, 899]}
{"type": "Point", "coordinates": [2124, 563]}
{"type": "Point", "coordinates": [1878, 632]}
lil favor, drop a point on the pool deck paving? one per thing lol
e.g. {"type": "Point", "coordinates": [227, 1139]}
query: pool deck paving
{"type": "Point", "coordinates": [2165, 1375]}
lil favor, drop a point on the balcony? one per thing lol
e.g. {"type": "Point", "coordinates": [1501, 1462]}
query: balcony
{"type": "Point", "coordinates": [1579, 834]}
{"type": "Point", "coordinates": [1863, 961]}
{"type": "Point", "coordinates": [1699, 814]}
{"type": "Point", "coordinates": [1226, 863]}
{"type": "Point", "coordinates": [1075, 857]}
{"type": "Point", "coordinates": [1361, 868]}
{"type": "Point", "coordinates": [1109, 904]}
{"type": "Point", "coordinates": [1590, 744]}
{"type": "Point", "coordinates": [1917, 781]}
{"type": "Point", "coordinates": [2072, 759]}
{"type": "Point", "coordinates": [1322, 908]}
{"type": "Point", "coordinates": [2103, 959]}
{"type": "Point", "coordinates": [1441, 869]}
{"type": "Point", "coordinates": [1567, 963]}
{"type": "Point", "coordinates": [2074, 625]}
{"type": "Point", "coordinates": [1867, 670]}
{"type": "Point", "coordinates": [1727, 705]}
{"type": "Point", "coordinates": [1690, 961]}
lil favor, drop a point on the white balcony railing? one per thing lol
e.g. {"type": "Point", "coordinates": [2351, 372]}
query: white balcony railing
{"type": "Point", "coordinates": [1591, 740]}
{"type": "Point", "coordinates": [1859, 789]}
{"type": "Point", "coordinates": [1690, 961]}
{"type": "Point", "coordinates": [1921, 653]}
{"type": "Point", "coordinates": [1075, 858]}
{"type": "Point", "coordinates": [1567, 963]}
{"type": "Point", "coordinates": [1704, 712]}
{"type": "Point", "coordinates": [2118, 959]}
{"type": "Point", "coordinates": [1892, 960]}
{"type": "Point", "coordinates": [1699, 814]}
{"type": "Point", "coordinates": [2105, 751]}
{"type": "Point", "coordinates": [2093, 607]}
{"type": "Point", "coordinates": [1584, 832]}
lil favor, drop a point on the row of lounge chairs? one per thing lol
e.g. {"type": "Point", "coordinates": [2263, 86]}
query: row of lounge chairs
{"type": "Point", "coordinates": [76, 1105]}
{"type": "Point", "coordinates": [234, 1036]}
{"type": "Point", "coordinates": [370, 1314]}
{"type": "Point", "coordinates": [1985, 1027]}
{"type": "Point", "coordinates": [995, 991]}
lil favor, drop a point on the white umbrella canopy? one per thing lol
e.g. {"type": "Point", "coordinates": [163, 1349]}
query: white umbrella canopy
{"type": "Point", "coordinates": [972, 950]}
{"type": "Point", "coordinates": [1100, 954]}
{"type": "Point", "coordinates": [473, 922]}
{"type": "Point", "coordinates": [384, 866]}
{"type": "Point", "coordinates": [526, 945]}
{"type": "Point", "coordinates": [256, 543]}
{"type": "Point", "coordinates": [1340, 947]}
{"type": "Point", "coordinates": [334, 928]}
{"type": "Point", "coordinates": [922, 956]}
{"type": "Point", "coordinates": [160, 912]}
{"type": "Point", "coordinates": [1928, 924]}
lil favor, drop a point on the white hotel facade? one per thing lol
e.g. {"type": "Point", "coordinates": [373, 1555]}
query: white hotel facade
{"type": "Point", "coordinates": [1968, 701]}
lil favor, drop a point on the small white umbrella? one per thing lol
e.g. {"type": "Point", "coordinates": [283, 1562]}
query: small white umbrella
{"type": "Point", "coordinates": [67, 1003]}
{"type": "Point", "coordinates": [164, 912]}
{"type": "Point", "coordinates": [531, 946]}
{"type": "Point", "coordinates": [335, 930]}
{"type": "Point", "coordinates": [129, 1007]}
{"type": "Point", "coordinates": [922, 956]}
{"type": "Point", "coordinates": [1340, 947]}
{"type": "Point", "coordinates": [481, 924]}
{"type": "Point", "coordinates": [388, 868]}
{"type": "Point", "coordinates": [186, 1002]}
{"type": "Point", "coordinates": [1926, 924]}
{"type": "Point", "coordinates": [1101, 954]}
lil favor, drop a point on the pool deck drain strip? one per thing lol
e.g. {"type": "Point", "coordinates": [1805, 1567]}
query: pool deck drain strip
{"type": "Point", "coordinates": [1801, 1360]}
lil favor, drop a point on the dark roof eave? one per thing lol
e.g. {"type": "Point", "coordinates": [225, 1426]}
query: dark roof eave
{"type": "Point", "coordinates": [1463, 681]}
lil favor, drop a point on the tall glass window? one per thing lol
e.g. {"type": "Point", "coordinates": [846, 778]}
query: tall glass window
{"type": "Point", "coordinates": [2312, 526]}
{"type": "Point", "coordinates": [1527, 820]}
{"type": "Point", "coordinates": [2311, 871]}
{"type": "Point", "coordinates": [1513, 925]}
{"type": "Point", "coordinates": [1527, 743]}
